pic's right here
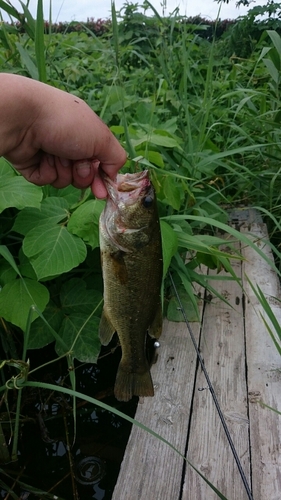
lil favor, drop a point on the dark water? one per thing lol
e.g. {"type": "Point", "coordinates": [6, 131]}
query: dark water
{"type": "Point", "coordinates": [50, 457]}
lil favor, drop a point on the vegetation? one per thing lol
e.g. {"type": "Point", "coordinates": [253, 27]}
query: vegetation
{"type": "Point", "coordinates": [200, 114]}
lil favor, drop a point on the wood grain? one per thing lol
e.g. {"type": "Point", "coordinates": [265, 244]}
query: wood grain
{"type": "Point", "coordinates": [223, 349]}
{"type": "Point", "coordinates": [150, 469]}
{"type": "Point", "coordinates": [264, 370]}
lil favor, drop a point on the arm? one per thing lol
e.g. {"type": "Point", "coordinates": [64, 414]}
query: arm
{"type": "Point", "coordinates": [53, 137]}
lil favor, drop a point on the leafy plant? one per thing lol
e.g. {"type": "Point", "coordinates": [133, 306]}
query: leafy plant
{"type": "Point", "coordinates": [207, 127]}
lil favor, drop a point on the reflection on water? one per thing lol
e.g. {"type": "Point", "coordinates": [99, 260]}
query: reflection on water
{"type": "Point", "coordinates": [89, 470]}
{"type": "Point", "coordinates": [51, 458]}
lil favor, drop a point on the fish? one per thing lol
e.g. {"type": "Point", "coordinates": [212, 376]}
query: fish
{"type": "Point", "coordinates": [132, 268]}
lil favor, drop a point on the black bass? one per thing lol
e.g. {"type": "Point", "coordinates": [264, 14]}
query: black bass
{"type": "Point", "coordinates": [131, 255]}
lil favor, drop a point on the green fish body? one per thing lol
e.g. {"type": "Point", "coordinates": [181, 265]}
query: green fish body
{"type": "Point", "coordinates": [131, 255]}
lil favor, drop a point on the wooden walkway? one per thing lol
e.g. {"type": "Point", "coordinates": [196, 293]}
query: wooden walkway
{"type": "Point", "coordinates": [245, 370]}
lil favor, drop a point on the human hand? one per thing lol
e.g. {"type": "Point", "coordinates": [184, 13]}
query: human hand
{"type": "Point", "coordinates": [53, 137]}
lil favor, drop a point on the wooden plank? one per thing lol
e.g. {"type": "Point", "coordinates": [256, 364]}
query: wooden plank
{"type": "Point", "coordinates": [264, 374]}
{"type": "Point", "coordinates": [150, 468]}
{"type": "Point", "coordinates": [222, 347]}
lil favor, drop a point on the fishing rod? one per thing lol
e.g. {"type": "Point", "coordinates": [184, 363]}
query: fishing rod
{"type": "Point", "coordinates": [212, 391]}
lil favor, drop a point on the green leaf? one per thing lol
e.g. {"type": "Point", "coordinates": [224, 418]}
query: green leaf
{"type": "Point", "coordinates": [117, 129]}
{"type": "Point", "coordinates": [172, 192]}
{"type": "Point", "coordinates": [6, 170]}
{"type": "Point", "coordinates": [157, 140]}
{"type": "Point", "coordinates": [53, 210]}
{"type": "Point", "coordinates": [27, 62]}
{"type": "Point", "coordinates": [153, 157]}
{"type": "Point", "coordinates": [82, 339]}
{"type": "Point", "coordinates": [39, 333]}
{"type": "Point", "coordinates": [25, 267]}
{"type": "Point", "coordinates": [19, 193]}
{"type": "Point", "coordinates": [17, 297]}
{"type": "Point", "coordinates": [72, 195]}
{"type": "Point", "coordinates": [276, 40]}
{"type": "Point", "coordinates": [175, 314]}
{"type": "Point", "coordinates": [52, 250]}
{"type": "Point", "coordinates": [7, 273]}
{"type": "Point", "coordinates": [5, 252]}
{"type": "Point", "coordinates": [273, 71]}
{"type": "Point", "coordinates": [75, 297]}
{"type": "Point", "coordinates": [39, 42]}
{"type": "Point", "coordinates": [84, 222]}
{"type": "Point", "coordinates": [169, 244]}
{"type": "Point", "coordinates": [9, 9]}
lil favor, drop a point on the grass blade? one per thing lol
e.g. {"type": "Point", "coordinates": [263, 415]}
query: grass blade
{"type": "Point", "coordinates": [40, 44]}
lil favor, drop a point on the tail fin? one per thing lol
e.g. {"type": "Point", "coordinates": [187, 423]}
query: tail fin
{"type": "Point", "coordinates": [129, 384]}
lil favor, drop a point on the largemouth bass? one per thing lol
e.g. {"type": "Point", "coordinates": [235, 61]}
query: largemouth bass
{"type": "Point", "coordinates": [131, 255]}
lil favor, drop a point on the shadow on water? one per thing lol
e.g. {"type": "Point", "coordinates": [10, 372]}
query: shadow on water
{"type": "Point", "coordinates": [49, 457]}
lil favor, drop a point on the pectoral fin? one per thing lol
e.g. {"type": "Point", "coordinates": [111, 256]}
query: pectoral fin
{"type": "Point", "coordinates": [106, 330]}
{"type": "Point", "coordinates": [155, 329]}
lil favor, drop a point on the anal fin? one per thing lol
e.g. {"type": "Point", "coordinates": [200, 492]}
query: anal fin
{"type": "Point", "coordinates": [155, 329]}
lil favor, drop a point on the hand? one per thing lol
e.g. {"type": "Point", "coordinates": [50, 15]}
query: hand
{"type": "Point", "coordinates": [53, 137]}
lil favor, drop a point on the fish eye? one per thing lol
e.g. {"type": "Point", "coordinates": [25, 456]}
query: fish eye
{"type": "Point", "coordinates": [147, 201]}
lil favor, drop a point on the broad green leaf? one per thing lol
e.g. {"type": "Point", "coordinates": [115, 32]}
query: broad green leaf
{"type": "Point", "coordinates": [72, 195]}
{"type": "Point", "coordinates": [84, 222]}
{"type": "Point", "coordinates": [17, 297]}
{"type": "Point", "coordinates": [169, 244]}
{"type": "Point", "coordinates": [7, 273]}
{"type": "Point", "coordinates": [208, 260]}
{"type": "Point", "coordinates": [156, 158]}
{"type": "Point", "coordinates": [172, 192]}
{"type": "Point", "coordinates": [25, 267]}
{"type": "Point", "coordinates": [5, 252]}
{"type": "Point", "coordinates": [53, 210]}
{"type": "Point", "coordinates": [19, 193]}
{"type": "Point", "coordinates": [153, 157]}
{"type": "Point", "coordinates": [81, 337]}
{"type": "Point", "coordinates": [39, 333]}
{"type": "Point", "coordinates": [75, 297]}
{"type": "Point", "coordinates": [6, 170]}
{"type": "Point", "coordinates": [52, 250]}
{"type": "Point", "coordinates": [163, 140]}
{"type": "Point", "coordinates": [117, 129]}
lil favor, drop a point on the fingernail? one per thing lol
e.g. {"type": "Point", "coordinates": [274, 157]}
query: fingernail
{"type": "Point", "coordinates": [65, 162]}
{"type": "Point", "coordinates": [83, 169]}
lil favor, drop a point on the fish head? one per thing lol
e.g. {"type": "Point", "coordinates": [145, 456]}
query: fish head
{"type": "Point", "coordinates": [131, 210]}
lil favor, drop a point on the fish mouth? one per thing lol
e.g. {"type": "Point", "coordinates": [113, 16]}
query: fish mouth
{"type": "Point", "coordinates": [122, 191]}
{"type": "Point", "coordinates": [126, 188]}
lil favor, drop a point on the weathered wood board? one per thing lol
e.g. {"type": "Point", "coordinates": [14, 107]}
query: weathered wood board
{"type": "Point", "coordinates": [222, 347]}
{"type": "Point", "coordinates": [264, 370]}
{"type": "Point", "coordinates": [245, 370]}
{"type": "Point", "coordinates": [150, 468]}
